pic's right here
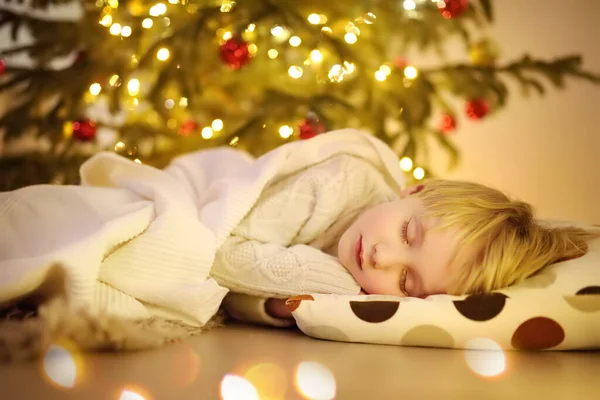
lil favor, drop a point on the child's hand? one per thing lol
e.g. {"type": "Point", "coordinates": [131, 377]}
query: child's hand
{"type": "Point", "coordinates": [276, 308]}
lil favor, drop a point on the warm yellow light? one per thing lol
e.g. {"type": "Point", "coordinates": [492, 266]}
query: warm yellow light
{"type": "Point", "coordinates": [251, 28]}
{"type": "Point", "coordinates": [386, 70]}
{"type": "Point", "coordinates": [60, 366]}
{"type": "Point", "coordinates": [227, 5]}
{"type": "Point", "coordinates": [315, 381]}
{"type": "Point", "coordinates": [252, 49]}
{"type": "Point", "coordinates": [336, 73]}
{"type": "Point", "coordinates": [295, 71]}
{"type": "Point", "coordinates": [485, 357]}
{"type": "Point", "coordinates": [350, 68]}
{"type": "Point", "coordinates": [217, 125]}
{"type": "Point", "coordinates": [326, 29]}
{"type": "Point", "coordinates": [113, 3]}
{"type": "Point", "coordinates": [227, 35]}
{"type": "Point", "coordinates": [163, 54]}
{"type": "Point", "coordinates": [277, 30]}
{"type": "Point", "coordinates": [137, 160]}
{"type": "Point", "coordinates": [409, 5]}
{"type": "Point", "coordinates": [106, 20]}
{"type": "Point", "coordinates": [351, 28]}
{"type": "Point", "coordinates": [133, 86]}
{"type": "Point", "coordinates": [370, 18]}
{"type": "Point", "coordinates": [323, 19]}
{"type": "Point", "coordinates": [380, 75]}
{"type": "Point", "coordinates": [173, 1]}
{"type": "Point", "coordinates": [147, 23]}
{"type": "Point", "coordinates": [158, 10]}
{"type": "Point", "coordinates": [235, 387]}
{"type": "Point", "coordinates": [419, 173]}
{"type": "Point", "coordinates": [95, 89]}
{"type": "Point", "coordinates": [314, 19]}
{"type": "Point", "coordinates": [350, 38]}
{"type": "Point", "coordinates": [316, 56]}
{"type": "Point", "coordinates": [272, 53]}
{"type": "Point", "coordinates": [207, 132]}
{"type": "Point", "coordinates": [234, 142]}
{"type": "Point", "coordinates": [295, 41]}
{"type": "Point", "coordinates": [115, 29]}
{"type": "Point", "coordinates": [183, 102]}
{"type": "Point", "coordinates": [410, 72]}
{"type": "Point", "coordinates": [406, 164]}
{"type": "Point", "coordinates": [169, 103]}
{"type": "Point", "coordinates": [126, 31]}
{"type": "Point", "coordinates": [120, 146]}
{"type": "Point", "coordinates": [286, 131]}
{"type": "Point", "coordinates": [130, 395]}
{"type": "Point", "coordinates": [114, 80]}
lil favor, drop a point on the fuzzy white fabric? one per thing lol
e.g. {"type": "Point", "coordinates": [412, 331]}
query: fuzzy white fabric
{"type": "Point", "coordinates": [138, 242]}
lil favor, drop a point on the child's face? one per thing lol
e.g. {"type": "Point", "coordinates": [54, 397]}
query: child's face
{"type": "Point", "coordinates": [393, 243]}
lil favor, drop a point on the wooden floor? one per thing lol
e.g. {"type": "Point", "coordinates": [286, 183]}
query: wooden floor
{"type": "Point", "coordinates": [240, 362]}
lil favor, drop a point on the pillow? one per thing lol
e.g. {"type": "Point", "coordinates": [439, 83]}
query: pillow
{"type": "Point", "coordinates": [556, 309]}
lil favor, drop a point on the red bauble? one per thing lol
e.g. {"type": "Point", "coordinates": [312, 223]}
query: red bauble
{"type": "Point", "coordinates": [452, 8]}
{"type": "Point", "coordinates": [310, 129]}
{"type": "Point", "coordinates": [477, 108]}
{"type": "Point", "coordinates": [2, 66]}
{"type": "Point", "coordinates": [187, 128]}
{"type": "Point", "coordinates": [448, 123]}
{"type": "Point", "coordinates": [235, 53]}
{"type": "Point", "coordinates": [400, 63]}
{"type": "Point", "coordinates": [84, 130]}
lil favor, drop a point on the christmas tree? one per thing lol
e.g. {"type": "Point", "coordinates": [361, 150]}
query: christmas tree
{"type": "Point", "coordinates": [154, 79]}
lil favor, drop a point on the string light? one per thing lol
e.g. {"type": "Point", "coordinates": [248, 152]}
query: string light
{"type": "Point", "coordinates": [410, 72]}
{"type": "Point", "coordinates": [115, 29]}
{"type": "Point", "coordinates": [295, 72]}
{"type": "Point", "coordinates": [277, 30]}
{"type": "Point", "coordinates": [316, 56]}
{"type": "Point", "coordinates": [137, 160]}
{"type": "Point", "coordinates": [286, 131]}
{"type": "Point", "coordinates": [227, 5]}
{"type": "Point", "coordinates": [133, 86]}
{"type": "Point", "coordinates": [251, 28]}
{"type": "Point", "coordinates": [126, 31]}
{"type": "Point", "coordinates": [386, 69]}
{"type": "Point", "coordinates": [120, 147]}
{"type": "Point", "coordinates": [252, 49]}
{"type": "Point", "coordinates": [314, 19]}
{"type": "Point", "coordinates": [419, 173]}
{"type": "Point", "coordinates": [295, 41]}
{"type": "Point", "coordinates": [163, 54]}
{"type": "Point", "coordinates": [380, 75]}
{"type": "Point", "coordinates": [272, 53]}
{"type": "Point", "coordinates": [349, 67]}
{"type": "Point", "coordinates": [113, 3]}
{"type": "Point", "coordinates": [95, 89]}
{"type": "Point", "coordinates": [183, 102]}
{"type": "Point", "coordinates": [169, 104]}
{"type": "Point", "coordinates": [158, 10]}
{"type": "Point", "coordinates": [115, 81]}
{"type": "Point", "coordinates": [326, 29]}
{"type": "Point", "coordinates": [173, 1]}
{"type": "Point", "coordinates": [409, 5]}
{"type": "Point", "coordinates": [207, 132]}
{"type": "Point", "coordinates": [234, 142]}
{"type": "Point", "coordinates": [147, 23]}
{"type": "Point", "coordinates": [106, 20]}
{"type": "Point", "coordinates": [350, 38]}
{"type": "Point", "coordinates": [217, 125]}
{"type": "Point", "coordinates": [227, 35]}
{"type": "Point", "coordinates": [406, 164]}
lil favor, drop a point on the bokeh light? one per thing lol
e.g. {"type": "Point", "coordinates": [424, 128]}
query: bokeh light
{"type": "Point", "coordinates": [419, 173]}
{"type": "Point", "coordinates": [127, 394]}
{"type": "Point", "coordinates": [485, 357]}
{"type": "Point", "coordinates": [406, 164]}
{"type": "Point", "coordinates": [269, 380]}
{"type": "Point", "coordinates": [60, 366]}
{"type": "Point", "coordinates": [315, 381]}
{"type": "Point", "coordinates": [234, 387]}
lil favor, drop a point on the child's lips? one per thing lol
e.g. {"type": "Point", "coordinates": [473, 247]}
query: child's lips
{"type": "Point", "coordinates": [358, 252]}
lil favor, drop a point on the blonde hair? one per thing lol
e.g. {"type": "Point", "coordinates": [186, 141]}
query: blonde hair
{"type": "Point", "coordinates": [501, 242]}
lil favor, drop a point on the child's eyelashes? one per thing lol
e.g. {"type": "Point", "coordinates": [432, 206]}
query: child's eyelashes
{"type": "Point", "coordinates": [404, 233]}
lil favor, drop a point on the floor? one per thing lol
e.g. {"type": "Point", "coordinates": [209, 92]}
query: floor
{"type": "Point", "coordinates": [241, 362]}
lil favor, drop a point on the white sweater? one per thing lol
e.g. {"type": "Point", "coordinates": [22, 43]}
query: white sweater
{"type": "Point", "coordinates": [137, 241]}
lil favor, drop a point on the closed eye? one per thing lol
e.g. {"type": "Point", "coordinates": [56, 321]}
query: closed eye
{"type": "Point", "coordinates": [404, 232]}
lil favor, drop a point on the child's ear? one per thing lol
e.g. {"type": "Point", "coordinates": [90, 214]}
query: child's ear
{"type": "Point", "coordinates": [411, 190]}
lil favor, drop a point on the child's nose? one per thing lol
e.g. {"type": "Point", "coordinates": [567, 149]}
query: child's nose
{"type": "Point", "coordinates": [386, 257]}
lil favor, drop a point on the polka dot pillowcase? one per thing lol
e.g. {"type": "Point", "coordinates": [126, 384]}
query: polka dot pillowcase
{"type": "Point", "coordinates": [557, 309]}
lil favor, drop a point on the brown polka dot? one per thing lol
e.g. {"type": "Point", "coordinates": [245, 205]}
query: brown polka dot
{"type": "Point", "coordinates": [481, 307]}
{"type": "Point", "coordinates": [427, 335]}
{"type": "Point", "coordinates": [326, 332]}
{"type": "Point", "coordinates": [537, 334]}
{"type": "Point", "coordinates": [585, 303]}
{"type": "Point", "coordinates": [294, 302]}
{"type": "Point", "coordinates": [374, 311]}
{"type": "Point", "coordinates": [589, 290]}
{"type": "Point", "coordinates": [542, 280]}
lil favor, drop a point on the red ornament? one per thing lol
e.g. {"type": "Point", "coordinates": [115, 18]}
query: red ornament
{"type": "Point", "coordinates": [452, 8]}
{"type": "Point", "coordinates": [477, 108]}
{"type": "Point", "coordinates": [84, 130]}
{"type": "Point", "coordinates": [187, 128]}
{"type": "Point", "coordinates": [309, 129]}
{"type": "Point", "coordinates": [2, 66]}
{"type": "Point", "coordinates": [448, 123]}
{"type": "Point", "coordinates": [235, 53]}
{"type": "Point", "coordinates": [400, 63]}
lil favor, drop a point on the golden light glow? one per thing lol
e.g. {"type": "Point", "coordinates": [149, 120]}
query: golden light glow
{"type": "Point", "coordinates": [126, 31]}
{"type": "Point", "coordinates": [386, 69]}
{"type": "Point", "coordinates": [207, 132]}
{"type": "Point", "coordinates": [169, 104]}
{"type": "Point", "coordinates": [95, 89]}
{"type": "Point", "coordinates": [227, 35]}
{"type": "Point", "coordinates": [295, 41]}
{"type": "Point", "coordinates": [286, 131]}
{"type": "Point", "coordinates": [147, 23]}
{"type": "Point", "coordinates": [173, 1]}
{"type": "Point", "coordinates": [158, 10]}
{"type": "Point", "coordinates": [351, 28]}
{"type": "Point", "coordinates": [314, 19]}
{"type": "Point", "coordinates": [227, 5]}
{"type": "Point", "coordinates": [272, 53]}
{"type": "Point", "coordinates": [115, 81]}
{"type": "Point", "coordinates": [406, 164]}
{"type": "Point", "coordinates": [133, 87]}
{"type": "Point", "coordinates": [315, 381]}
{"type": "Point", "coordinates": [106, 20]}
{"type": "Point", "coordinates": [269, 379]}
{"type": "Point", "coordinates": [234, 142]}
{"type": "Point", "coordinates": [235, 387]}
{"type": "Point", "coordinates": [137, 160]}
{"type": "Point", "coordinates": [277, 30]}
{"type": "Point", "coordinates": [130, 395]}
{"type": "Point", "coordinates": [380, 75]}
{"type": "Point", "coordinates": [295, 71]}
{"type": "Point", "coordinates": [113, 3]}
{"type": "Point", "coordinates": [316, 56]}
{"type": "Point", "coordinates": [350, 38]}
{"type": "Point", "coordinates": [410, 72]}
{"type": "Point", "coordinates": [419, 173]}
{"type": "Point", "coordinates": [251, 28]}
{"type": "Point", "coordinates": [183, 102]}
{"type": "Point", "coordinates": [60, 366]}
{"type": "Point", "coordinates": [217, 125]}
{"type": "Point", "coordinates": [119, 147]}
{"type": "Point", "coordinates": [115, 29]}
{"type": "Point", "coordinates": [163, 54]}
{"type": "Point", "coordinates": [326, 29]}
{"type": "Point", "coordinates": [349, 67]}
{"type": "Point", "coordinates": [336, 73]}
{"type": "Point", "coordinates": [485, 357]}
{"type": "Point", "coordinates": [252, 49]}
{"type": "Point", "coordinates": [409, 5]}
{"type": "Point", "coordinates": [67, 129]}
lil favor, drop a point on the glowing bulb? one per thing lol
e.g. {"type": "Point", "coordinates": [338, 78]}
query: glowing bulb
{"type": "Point", "coordinates": [126, 31]}
{"type": "Point", "coordinates": [173, 1]}
{"type": "Point", "coordinates": [217, 125]}
{"type": "Point", "coordinates": [295, 41]}
{"type": "Point", "coordinates": [251, 28]}
{"type": "Point", "coordinates": [419, 173]}
{"type": "Point", "coordinates": [316, 56]}
{"type": "Point", "coordinates": [120, 146]}
{"type": "Point", "coordinates": [115, 29]}
{"type": "Point", "coordinates": [163, 54]}
{"type": "Point", "coordinates": [60, 366]}
{"type": "Point", "coordinates": [409, 5]}
{"type": "Point", "coordinates": [336, 73]}
{"type": "Point", "coordinates": [183, 102]}
{"type": "Point", "coordinates": [326, 29]}
{"type": "Point", "coordinates": [169, 103]}
{"type": "Point", "coordinates": [252, 49]}
{"type": "Point", "coordinates": [227, 35]}
{"type": "Point", "coordinates": [227, 6]}
{"type": "Point", "coordinates": [131, 395]}
{"type": "Point", "coordinates": [350, 38]}
{"type": "Point", "coordinates": [410, 72]}
{"type": "Point", "coordinates": [113, 3]}
{"type": "Point", "coordinates": [137, 160]}
{"type": "Point", "coordinates": [272, 53]}
{"type": "Point", "coordinates": [115, 81]}
{"type": "Point", "coordinates": [95, 89]}
{"type": "Point", "coordinates": [314, 19]}
{"type": "Point", "coordinates": [406, 164]}
{"type": "Point", "coordinates": [349, 67]}
{"type": "Point", "coordinates": [277, 30]}
{"type": "Point", "coordinates": [485, 357]}
{"type": "Point", "coordinates": [315, 381]}
{"type": "Point", "coordinates": [158, 10]}
{"type": "Point", "coordinates": [286, 131]}
{"type": "Point", "coordinates": [207, 132]}
{"type": "Point", "coordinates": [295, 72]}
{"type": "Point", "coordinates": [147, 23]}
{"type": "Point", "coordinates": [386, 70]}
{"type": "Point", "coordinates": [235, 387]}
{"type": "Point", "coordinates": [380, 76]}
{"type": "Point", "coordinates": [133, 86]}
{"type": "Point", "coordinates": [106, 20]}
